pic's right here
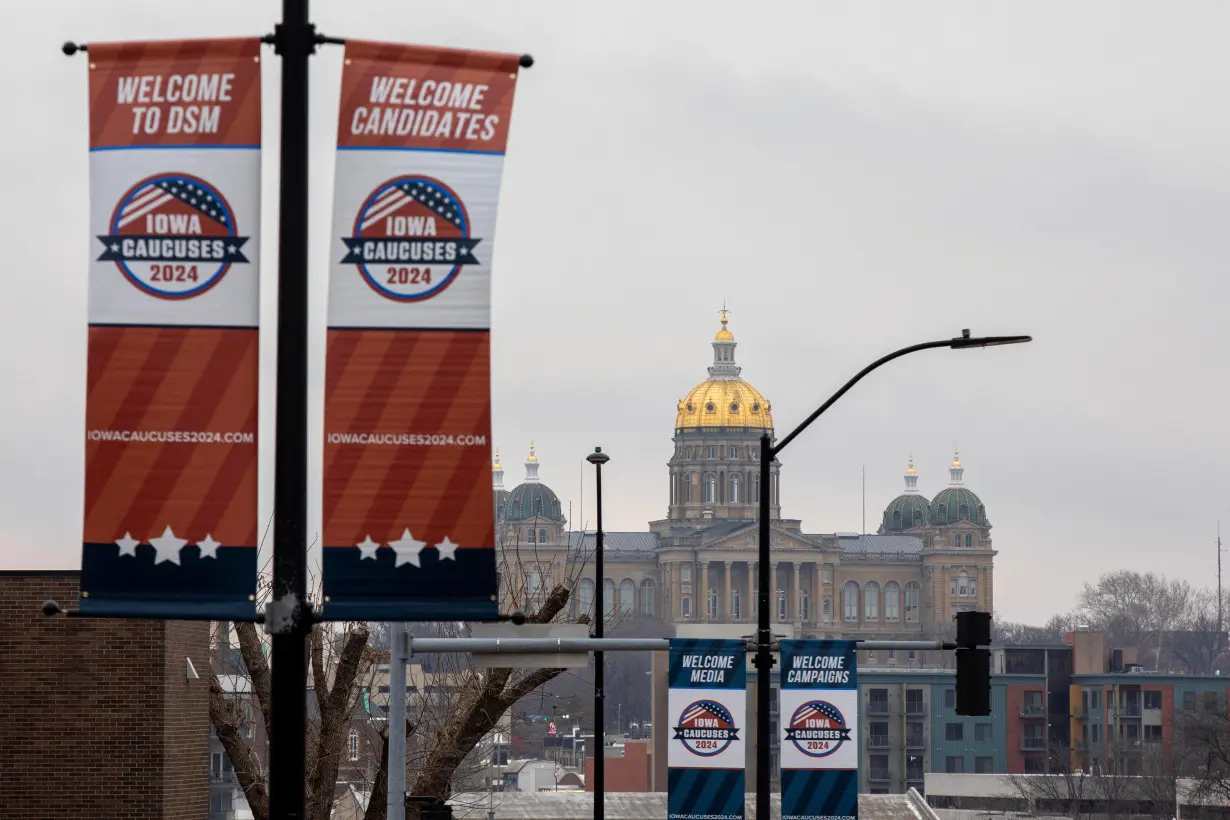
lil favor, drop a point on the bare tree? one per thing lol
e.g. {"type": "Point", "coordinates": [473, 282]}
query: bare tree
{"type": "Point", "coordinates": [1067, 790]}
{"type": "Point", "coordinates": [1137, 610]}
{"type": "Point", "coordinates": [1205, 734]}
{"type": "Point", "coordinates": [1009, 633]}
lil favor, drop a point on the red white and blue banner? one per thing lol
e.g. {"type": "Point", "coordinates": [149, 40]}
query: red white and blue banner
{"type": "Point", "coordinates": [707, 705]}
{"type": "Point", "coordinates": [171, 408]}
{"type": "Point", "coordinates": [819, 730]}
{"type": "Point", "coordinates": [408, 528]}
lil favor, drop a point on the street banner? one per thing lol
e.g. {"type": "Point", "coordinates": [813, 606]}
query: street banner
{"type": "Point", "coordinates": [172, 366]}
{"type": "Point", "coordinates": [707, 703]}
{"type": "Point", "coordinates": [408, 529]}
{"type": "Point", "coordinates": [819, 730]}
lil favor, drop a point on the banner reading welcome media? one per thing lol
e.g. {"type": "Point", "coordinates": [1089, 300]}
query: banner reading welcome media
{"type": "Point", "coordinates": [172, 375]}
{"type": "Point", "coordinates": [408, 525]}
{"type": "Point", "coordinates": [819, 730]}
{"type": "Point", "coordinates": [707, 705]}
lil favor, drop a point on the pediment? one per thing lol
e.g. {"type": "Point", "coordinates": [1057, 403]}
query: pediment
{"type": "Point", "coordinates": [748, 539]}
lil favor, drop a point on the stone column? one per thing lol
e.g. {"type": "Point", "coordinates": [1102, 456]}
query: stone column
{"type": "Point", "coordinates": [793, 610]}
{"type": "Point", "coordinates": [773, 592]}
{"type": "Point", "coordinates": [703, 587]}
{"type": "Point", "coordinates": [725, 608]}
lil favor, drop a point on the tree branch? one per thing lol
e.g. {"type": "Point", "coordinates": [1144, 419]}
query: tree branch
{"type": "Point", "coordinates": [253, 653]}
{"type": "Point", "coordinates": [247, 769]}
{"type": "Point", "coordinates": [335, 712]}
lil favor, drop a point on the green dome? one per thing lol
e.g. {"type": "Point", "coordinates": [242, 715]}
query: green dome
{"type": "Point", "coordinates": [906, 511]}
{"type": "Point", "coordinates": [499, 498]}
{"type": "Point", "coordinates": [953, 504]}
{"type": "Point", "coordinates": [532, 499]}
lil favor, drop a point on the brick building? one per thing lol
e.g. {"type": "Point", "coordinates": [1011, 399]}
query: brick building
{"type": "Point", "coordinates": [101, 718]}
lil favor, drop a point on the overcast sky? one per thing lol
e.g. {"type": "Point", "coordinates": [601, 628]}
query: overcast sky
{"type": "Point", "coordinates": [850, 179]}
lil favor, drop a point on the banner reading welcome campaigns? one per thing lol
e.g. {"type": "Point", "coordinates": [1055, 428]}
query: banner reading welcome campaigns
{"type": "Point", "coordinates": [171, 406]}
{"type": "Point", "coordinates": [408, 526]}
{"type": "Point", "coordinates": [819, 734]}
{"type": "Point", "coordinates": [707, 704]}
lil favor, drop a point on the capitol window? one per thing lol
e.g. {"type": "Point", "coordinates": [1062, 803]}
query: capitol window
{"type": "Point", "coordinates": [804, 604]}
{"type": "Point", "coordinates": [734, 408]}
{"type": "Point", "coordinates": [712, 604]}
{"type": "Point", "coordinates": [709, 408]}
{"type": "Point", "coordinates": [871, 595]}
{"type": "Point", "coordinates": [851, 600]}
{"type": "Point", "coordinates": [733, 452]}
{"type": "Point", "coordinates": [542, 536]}
{"type": "Point", "coordinates": [710, 488]}
{"type": "Point", "coordinates": [892, 592]}
{"type": "Point", "coordinates": [647, 595]}
{"type": "Point", "coordinates": [912, 591]}
{"type": "Point", "coordinates": [734, 490]}
{"type": "Point", "coordinates": [969, 541]}
{"type": "Point", "coordinates": [710, 452]}
{"type": "Point", "coordinates": [736, 604]}
{"type": "Point", "coordinates": [685, 606]}
{"type": "Point", "coordinates": [685, 573]}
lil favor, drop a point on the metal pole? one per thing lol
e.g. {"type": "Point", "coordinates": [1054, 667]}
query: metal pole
{"type": "Point", "coordinates": [598, 458]}
{"type": "Point", "coordinates": [764, 640]}
{"type": "Point", "coordinates": [289, 618]}
{"type": "Point", "coordinates": [398, 657]}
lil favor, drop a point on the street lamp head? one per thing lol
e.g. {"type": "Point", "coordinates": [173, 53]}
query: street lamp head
{"type": "Point", "coordinates": [966, 341]}
{"type": "Point", "coordinates": [597, 457]}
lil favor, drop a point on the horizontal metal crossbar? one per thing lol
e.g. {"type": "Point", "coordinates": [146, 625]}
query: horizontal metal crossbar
{"type": "Point", "coordinates": [489, 646]}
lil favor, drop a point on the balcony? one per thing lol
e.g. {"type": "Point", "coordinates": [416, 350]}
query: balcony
{"type": "Point", "coordinates": [915, 742]}
{"type": "Point", "coordinates": [915, 708]}
{"type": "Point", "coordinates": [877, 741]}
{"type": "Point", "coordinates": [1033, 710]}
{"type": "Point", "coordinates": [877, 707]}
{"type": "Point", "coordinates": [1129, 709]}
{"type": "Point", "coordinates": [223, 779]}
{"type": "Point", "coordinates": [1033, 743]}
{"type": "Point", "coordinates": [878, 774]}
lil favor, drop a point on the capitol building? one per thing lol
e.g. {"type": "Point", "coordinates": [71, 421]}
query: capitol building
{"type": "Point", "coordinates": [929, 559]}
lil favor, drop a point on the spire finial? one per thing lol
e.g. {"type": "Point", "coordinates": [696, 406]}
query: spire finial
{"type": "Point", "coordinates": [723, 313]}
{"type": "Point", "coordinates": [531, 458]}
{"type": "Point", "coordinates": [911, 476]}
{"type": "Point", "coordinates": [910, 467]}
{"type": "Point", "coordinates": [956, 471]}
{"type": "Point", "coordinates": [531, 466]}
{"type": "Point", "coordinates": [495, 465]}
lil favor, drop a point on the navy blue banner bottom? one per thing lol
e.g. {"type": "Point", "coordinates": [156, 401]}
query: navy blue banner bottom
{"type": "Point", "coordinates": [362, 589]}
{"type": "Point", "coordinates": [819, 794]}
{"type": "Point", "coordinates": [221, 587]}
{"type": "Point", "coordinates": [705, 794]}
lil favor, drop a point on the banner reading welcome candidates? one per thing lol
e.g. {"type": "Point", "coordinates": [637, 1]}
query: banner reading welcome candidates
{"type": "Point", "coordinates": [819, 730]}
{"type": "Point", "coordinates": [707, 704]}
{"type": "Point", "coordinates": [408, 526]}
{"type": "Point", "coordinates": [171, 407]}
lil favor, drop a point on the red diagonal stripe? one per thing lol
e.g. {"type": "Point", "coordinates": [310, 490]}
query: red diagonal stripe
{"type": "Point", "coordinates": [219, 499]}
{"type": "Point", "coordinates": [103, 342]}
{"type": "Point", "coordinates": [339, 347]}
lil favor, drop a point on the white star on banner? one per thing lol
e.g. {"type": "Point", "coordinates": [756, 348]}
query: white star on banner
{"type": "Point", "coordinates": [208, 547]}
{"type": "Point", "coordinates": [128, 545]}
{"type": "Point", "coordinates": [368, 548]}
{"type": "Point", "coordinates": [168, 546]}
{"type": "Point", "coordinates": [447, 548]}
{"type": "Point", "coordinates": [407, 549]}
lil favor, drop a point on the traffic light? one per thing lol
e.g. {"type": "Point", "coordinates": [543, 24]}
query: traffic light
{"type": "Point", "coordinates": [973, 663]}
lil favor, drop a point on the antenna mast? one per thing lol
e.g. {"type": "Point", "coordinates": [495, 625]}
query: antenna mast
{"type": "Point", "coordinates": [1219, 595]}
{"type": "Point", "coordinates": [863, 470]}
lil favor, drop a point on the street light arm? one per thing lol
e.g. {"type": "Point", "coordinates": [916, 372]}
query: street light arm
{"type": "Point", "coordinates": [958, 343]}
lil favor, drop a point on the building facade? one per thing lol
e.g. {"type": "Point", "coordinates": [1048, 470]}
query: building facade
{"type": "Point", "coordinates": [930, 558]}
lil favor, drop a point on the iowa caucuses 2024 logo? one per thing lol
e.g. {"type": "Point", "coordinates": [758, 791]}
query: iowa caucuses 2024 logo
{"type": "Point", "coordinates": [817, 729]}
{"type": "Point", "coordinates": [411, 238]}
{"type": "Point", "coordinates": [706, 728]}
{"type": "Point", "coordinates": [173, 236]}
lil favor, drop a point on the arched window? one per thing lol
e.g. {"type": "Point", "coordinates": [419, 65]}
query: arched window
{"type": "Point", "coordinates": [647, 595]}
{"type": "Point", "coordinates": [912, 591]}
{"type": "Point", "coordinates": [755, 494]}
{"type": "Point", "coordinates": [685, 606]}
{"type": "Point", "coordinates": [896, 519]}
{"type": "Point", "coordinates": [805, 604]}
{"type": "Point", "coordinates": [871, 601]}
{"type": "Point", "coordinates": [918, 518]}
{"type": "Point", "coordinates": [529, 536]}
{"type": "Point", "coordinates": [736, 605]}
{"type": "Point", "coordinates": [969, 541]}
{"type": "Point", "coordinates": [352, 745]}
{"type": "Point", "coordinates": [851, 600]}
{"type": "Point", "coordinates": [735, 498]}
{"type": "Point", "coordinates": [956, 540]}
{"type": "Point", "coordinates": [710, 488]}
{"type": "Point", "coordinates": [973, 587]}
{"type": "Point", "coordinates": [711, 605]}
{"type": "Point", "coordinates": [892, 592]}
{"type": "Point", "coordinates": [542, 536]}
{"type": "Point", "coordinates": [585, 593]}
{"type": "Point", "coordinates": [627, 596]}
{"type": "Point", "coordinates": [608, 597]}
{"type": "Point", "coordinates": [962, 584]}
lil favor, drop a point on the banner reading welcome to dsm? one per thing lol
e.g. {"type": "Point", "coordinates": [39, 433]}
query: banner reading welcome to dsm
{"type": "Point", "coordinates": [819, 730]}
{"type": "Point", "coordinates": [409, 532]}
{"type": "Point", "coordinates": [174, 301]}
{"type": "Point", "coordinates": [707, 706]}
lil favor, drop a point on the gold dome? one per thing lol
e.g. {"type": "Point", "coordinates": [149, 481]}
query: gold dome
{"type": "Point", "coordinates": [495, 465]}
{"type": "Point", "coordinates": [724, 335]}
{"type": "Point", "coordinates": [724, 403]}
{"type": "Point", "coordinates": [531, 459]}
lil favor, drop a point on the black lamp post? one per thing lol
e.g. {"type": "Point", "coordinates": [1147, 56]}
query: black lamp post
{"type": "Point", "coordinates": [764, 639]}
{"type": "Point", "coordinates": [598, 458]}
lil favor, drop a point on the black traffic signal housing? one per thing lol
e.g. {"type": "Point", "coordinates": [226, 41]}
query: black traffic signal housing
{"type": "Point", "coordinates": [973, 664]}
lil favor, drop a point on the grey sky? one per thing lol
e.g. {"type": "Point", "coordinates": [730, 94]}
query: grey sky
{"type": "Point", "coordinates": [848, 178]}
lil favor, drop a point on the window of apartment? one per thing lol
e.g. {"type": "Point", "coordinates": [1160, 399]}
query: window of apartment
{"type": "Point", "coordinates": [1153, 700]}
{"type": "Point", "coordinates": [1153, 734]}
{"type": "Point", "coordinates": [877, 702]}
{"type": "Point", "coordinates": [878, 733]}
{"type": "Point", "coordinates": [954, 764]}
{"type": "Point", "coordinates": [1034, 765]}
{"type": "Point", "coordinates": [914, 734]}
{"type": "Point", "coordinates": [1211, 700]}
{"type": "Point", "coordinates": [914, 768]}
{"type": "Point", "coordinates": [984, 765]}
{"type": "Point", "coordinates": [879, 766]}
{"type": "Point", "coordinates": [1033, 698]}
{"type": "Point", "coordinates": [1095, 733]}
{"type": "Point", "coordinates": [1189, 701]}
{"type": "Point", "coordinates": [914, 702]}
{"type": "Point", "coordinates": [954, 731]}
{"type": "Point", "coordinates": [950, 698]}
{"type": "Point", "coordinates": [1095, 699]}
{"type": "Point", "coordinates": [982, 732]}
{"type": "Point", "coordinates": [352, 745]}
